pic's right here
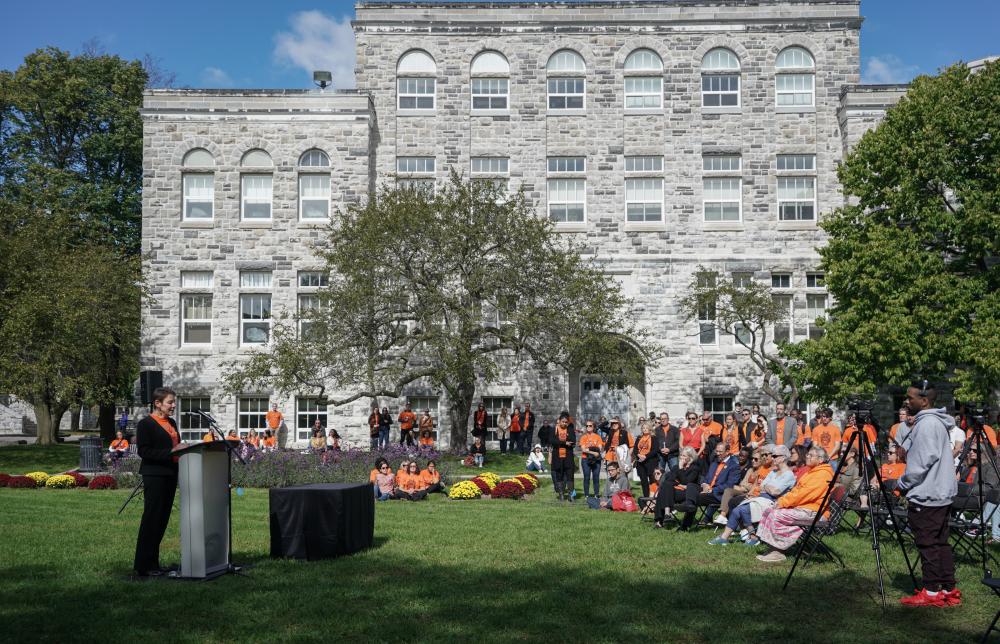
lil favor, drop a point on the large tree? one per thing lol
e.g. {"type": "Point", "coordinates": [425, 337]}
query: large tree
{"type": "Point", "coordinates": [448, 291]}
{"type": "Point", "coordinates": [71, 160]}
{"type": "Point", "coordinates": [912, 261]}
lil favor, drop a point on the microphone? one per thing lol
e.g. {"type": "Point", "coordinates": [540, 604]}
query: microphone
{"type": "Point", "coordinates": [207, 416]}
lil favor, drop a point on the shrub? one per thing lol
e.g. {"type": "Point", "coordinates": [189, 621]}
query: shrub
{"type": "Point", "coordinates": [38, 477]}
{"type": "Point", "coordinates": [464, 490]}
{"type": "Point", "coordinates": [509, 489]}
{"type": "Point", "coordinates": [103, 482]}
{"type": "Point", "coordinates": [484, 487]}
{"type": "Point", "coordinates": [530, 484]}
{"type": "Point", "coordinates": [490, 478]}
{"type": "Point", "coordinates": [22, 482]}
{"type": "Point", "coordinates": [3, 479]}
{"type": "Point", "coordinates": [79, 479]}
{"type": "Point", "coordinates": [61, 481]}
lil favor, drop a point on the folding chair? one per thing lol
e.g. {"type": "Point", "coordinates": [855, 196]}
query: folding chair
{"type": "Point", "coordinates": [811, 544]}
{"type": "Point", "coordinates": [994, 585]}
{"type": "Point", "coordinates": [647, 506]}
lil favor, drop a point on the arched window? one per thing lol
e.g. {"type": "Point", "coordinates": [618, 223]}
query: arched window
{"type": "Point", "coordinates": [490, 81]}
{"type": "Point", "coordinates": [567, 81]}
{"type": "Point", "coordinates": [643, 80]}
{"type": "Point", "coordinates": [795, 78]}
{"type": "Point", "coordinates": [314, 186]}
{"type": "Point", "coordinates": [720, 79]}
{"type": "Point", "coordinates": [416, 75]}
{"type": "Point", "coordinates": [198, 179]}
{"type": "Point", "coordinates": [256, 186]}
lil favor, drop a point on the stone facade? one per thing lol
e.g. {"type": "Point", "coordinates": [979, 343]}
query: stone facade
{"type": "Point", "coordinates": [365, 135]}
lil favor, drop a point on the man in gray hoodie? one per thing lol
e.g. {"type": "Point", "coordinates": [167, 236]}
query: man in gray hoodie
{"type": "Point", "coordinates": [929, 485]}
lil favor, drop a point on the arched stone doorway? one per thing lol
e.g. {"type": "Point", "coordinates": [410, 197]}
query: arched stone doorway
{"type": "Point", "coordinates": [593, 395]}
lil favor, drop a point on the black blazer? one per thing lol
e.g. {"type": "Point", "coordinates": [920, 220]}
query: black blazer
{"type": "Point", "coordinates": [154, 447]}
{"type": "Point", "coordinates": [654, 449]}
{"type": "Point", "coordinates": [671, 439]}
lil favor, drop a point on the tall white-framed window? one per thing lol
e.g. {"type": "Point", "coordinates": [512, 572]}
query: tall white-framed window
{"type": "Point", "coordinates": [255, 307]}
{"type": "Point", "coordinates": [196, 319]}
{"type": "Point", "coordinates": [720, 79]}
{"type": "Point", "coordinates": [707, 330]}
{"type": "Point", "coordinates": [490, 81]}
{"type": "Point", "coordinates": [643, 199]}
{"type": "Point", "coordinates": [795, 78]}
{"type": "Point", "coordinates": [252, 414]}
{"type": "Point", "coordinates": [415, 173]}
{"type": "Point", "coordinates": [314, 186]}
{"type": "Point", "coordinates": [493, 405]}
{"type": "Point", "coordinates": [192, 426]}
{"type": "Point", "coordinates": [643, 80]}
{"type": "Point", "coordinates": [416, 81]}
{"type": "Point", "coordinates": [198, 185]}
{"type": "Point", "coordinates": [430, 403]}
{"type": "Point", "coordinates": [783, 331]}
{"type": "Point", "coordinates": [255, 197]}
{"type": "Point", "coordinates": [722, 195]}
{"type": "Point", "coordinates": [816, 305]}
{"type": "Point", "coordinates": [796, 187]}
{"type": "Point", "coordinates": [307, 412]}
{"type": "Point", "coordinates": [566, 81]}
{"type": "Point", "coordinates": [309, 300]}
{"type": "Point", "coordinates": [567, 200]}
{"type": "Point", "coordinates": [815, 280]}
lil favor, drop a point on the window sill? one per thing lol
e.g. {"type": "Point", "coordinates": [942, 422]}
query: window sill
{"type": "Point", "coordinates": [644, 226]}
{"type": "Point", "coordinates": [644, 111]}
{"type": "Point", "coordinates": [797, 225]}
{"type": "Point", "coordinates": [193, 223]}
{"type": "Point", "coordinates": [582, 112]}
{"type": "Point", "coordinates": [571, 227]}
{"type": "Point", "coordinates": [723, 226]}
{"type": "Point", "coordinates": [729, 109]}
{"type": "Point", "coordinates": [195, 350]}
{"type": "Point", "coordinates": [416, 112]}
{"type": "Point", "coordinates": [251, 223]}
{"type": "Point", "coordinates": [475, 112]}
{"type": "Point", "coordinates": [795, 109]}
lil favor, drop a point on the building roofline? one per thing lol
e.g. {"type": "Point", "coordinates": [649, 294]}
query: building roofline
{"type": "Point", "coordinates": [871, 88]}
{"type": "Point", "coordinates": [204, 91]}
{"type": "Point", "coordinates": [490, 4]}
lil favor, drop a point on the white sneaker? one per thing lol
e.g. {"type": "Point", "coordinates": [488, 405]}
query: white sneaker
{"type": "Point", "coordinates": [744, 533]}
{"type": "Point", "coordinates": [772, 557]}
{"type": "Point", "coordinates": [719, 520]}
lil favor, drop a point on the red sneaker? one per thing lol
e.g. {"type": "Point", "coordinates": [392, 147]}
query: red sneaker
{"type": "Point", "coordinates": [953, 597]}
{"type": "Point", "coordinates": [921, 598]}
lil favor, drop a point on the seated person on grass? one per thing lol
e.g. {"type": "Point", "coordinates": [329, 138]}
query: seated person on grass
{"type": "Point", "coordinates": [648, 503]}
{"type": "Point", "coordinates": [617, 482]}
{"type": "Point", "coordinates": [781, 526]}
{"type": "Point", "coordinates": [722, 473]}
{"type": "Point", "coordinates": [253, 438]}
{"type": "Point", "coordinates": [385, 482]}
{"type": "Point", "coordinates": [761, 497]}
{"type": "Point", "coordinates": [430, 478]}
{"type": "Point", "coordinates": [375, 470]}
{"type": "Point", "coordinates": [478, 451]}
{"type": "Point", "coordinates": [674, 485]}
{"type": "Point", "coordinates": [403, 466]}
{"type": "Point", "coordinates": [536, 460]}
{"type": "Point", "coordinates": [753, 467]}
{"type": "Point", "coordinates": [318, 442]}
{"type": "Point", "coordinates": [270, 440]}
{"type": "Point", "coordinates": [409, 486]}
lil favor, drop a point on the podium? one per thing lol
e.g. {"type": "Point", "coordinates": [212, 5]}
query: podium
{"type": "Point", "coordinates": [206, 527]}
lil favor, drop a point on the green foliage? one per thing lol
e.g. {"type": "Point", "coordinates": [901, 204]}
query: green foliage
{"type": "Point", "coordinates": [447, 290]}
{"type": "Point", "coordinates": [912, 262]}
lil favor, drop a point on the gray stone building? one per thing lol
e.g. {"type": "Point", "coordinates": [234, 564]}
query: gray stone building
{"type": "Point", "coordinates": [671, 138]}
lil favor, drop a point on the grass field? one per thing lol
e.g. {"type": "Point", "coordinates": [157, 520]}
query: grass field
{"type": "Point", "coordinates": [447, 570]}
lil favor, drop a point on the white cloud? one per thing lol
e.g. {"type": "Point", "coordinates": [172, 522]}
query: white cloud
{"type": "Point", "coordinates": [888, 69]}
{"type": "Point", "coordinates": [318, 42]}
{"type": "Point", "coordinates": [215, 77]}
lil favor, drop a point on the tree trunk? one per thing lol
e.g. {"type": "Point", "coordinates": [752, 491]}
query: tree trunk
{"type": "Point", "coordinates": [106, 422]}
{"type": "Point", "coordinates": [48, 419]}
{"type": "Point", "coordinates": [458, 412]}
{"type": "Point", "coordinates": [74, 420]}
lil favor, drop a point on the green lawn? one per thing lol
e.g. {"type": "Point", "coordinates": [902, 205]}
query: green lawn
{"type": "Point", "coordinates": [447, 570]}
{"type": "Point", "coordinates": [18, 459]}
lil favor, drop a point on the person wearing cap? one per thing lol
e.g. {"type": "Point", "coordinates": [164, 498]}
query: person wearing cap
{"type": "Point", "coordinates": [779, 481]}
{"type": "Point", "coordinates": [536, 459]}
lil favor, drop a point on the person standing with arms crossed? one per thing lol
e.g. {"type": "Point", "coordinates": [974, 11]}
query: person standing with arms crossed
{"type": "Point", "coordinates": [407, 419]}
{"type": "Point", "coordinates": [929, 485]}
{"type": "Point", "coordinates": [156, 438]}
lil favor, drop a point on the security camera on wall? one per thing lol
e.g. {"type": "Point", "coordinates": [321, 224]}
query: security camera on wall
{"type": "Point", "coordinates": [322, 79]}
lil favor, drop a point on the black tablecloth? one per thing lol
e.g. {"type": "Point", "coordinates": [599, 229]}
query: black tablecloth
{"type": "Point", "coordinates": [321, 520]}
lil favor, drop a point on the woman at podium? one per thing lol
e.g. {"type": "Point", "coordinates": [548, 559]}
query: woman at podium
{"type": "Point", "coordinates": [156, 437]}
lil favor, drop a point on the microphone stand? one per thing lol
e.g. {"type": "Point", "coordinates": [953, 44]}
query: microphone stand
{"type": "Point", "coordinates": [231, 451]}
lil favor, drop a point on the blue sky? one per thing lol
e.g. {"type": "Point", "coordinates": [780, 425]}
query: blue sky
{"type": "Point", "coordinates": [276, 44]}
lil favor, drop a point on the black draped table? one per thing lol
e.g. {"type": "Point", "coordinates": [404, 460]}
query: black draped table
{"type": "Point", "coordinates": [321, 520]}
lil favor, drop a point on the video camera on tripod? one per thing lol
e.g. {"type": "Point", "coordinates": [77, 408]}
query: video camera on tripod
{"type": "Point", "coordinates": [861, 409]}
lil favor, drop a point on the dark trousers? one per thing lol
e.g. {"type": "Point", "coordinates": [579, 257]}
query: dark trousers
{"type": "Point", "coordinates": [645, 471]}
{"type": "Point", "coordinates": [526, 444]}
{"type": "Point", "coordinates": [562, 474]}
{"type": "Point", "coordinates": [157, 502]}
{"type": "Point", "coordinates": [503, 445]}
{"type": "Point", "coordinates": [410, 496]}
{"type": "Point", "coordinates": [591, 471]}
{"type": "Point", "coordinates": [694, 496]}
{"type": "Point", "coordinates": [666, 497]}
{"type": "Point", "coordinates": [930, 534]}
{"type": "Point", "coordinates": [517, 442]}
{"type": "Point", "coordinates": [406, 435]}
{"type": "Point", "coordinates": [434, 487]}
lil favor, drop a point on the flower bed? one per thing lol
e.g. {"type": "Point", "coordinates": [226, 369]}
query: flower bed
{"type": "Point", "coordinates": [22, 482]}
{"type": "Point", "coordinates": [508, 489]}
{"type": "Point", "coordinates": [60, 481]}
{"type": "Point", "coordinates": [38, 477]}
{"type": "Point", "coordinates": [3, 479]}
{"type": "Point", "coordinates": [79, 479]}
{"type": "Point", "coordinates": [482, 485]}
{"type": "Point", "coordinates": [464, 490]}
{"type": "Point", "coordinates": [103, 482]}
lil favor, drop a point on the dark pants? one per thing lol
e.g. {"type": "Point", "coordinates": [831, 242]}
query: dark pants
{"type": "Point", "coordinates": [562, 474]}
{"type": "Point", "coordinates": [666, 496]}
{"type": "Point", "coordinates": [591, 471]}
{"type": "Point", "coordinates": [667, 463]}
{"type": "Point", "coordinates": [157, 502]}
{"type": "Point", "coordinates": [517, 442]}
{"type": "Point", "coordinates": [930, 534]}
{"type": "Point", "coordinates": [526, 444]}
{"type": "Point", "coordinates": [694, 496]}
{"type": "Point", "coordinates": [406, 435]}
{"type": "Point", "coordinates": [503, 445]}
{"type": "Point", "coordinates": [410, 496]}
{"type": "Point", "coordinates": [645, 471]}
{"type": "Point", "coordinates": [374, 442]}
{"type": "Point", "coordinates": [435, 487]}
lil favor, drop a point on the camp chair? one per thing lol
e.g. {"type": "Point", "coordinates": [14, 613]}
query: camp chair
{"type": "Point", "coordinates": [994, 585]}
{"type": "Point", "coordinates": [810, 544]}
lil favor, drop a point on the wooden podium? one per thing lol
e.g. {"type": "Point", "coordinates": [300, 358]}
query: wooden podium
{"type": "Point", "coordinates": [206, 527]}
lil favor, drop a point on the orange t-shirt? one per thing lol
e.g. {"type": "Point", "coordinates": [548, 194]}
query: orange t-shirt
{"type": "Point", "coordinates": [732, 439]}
{"type": "Point", "coordinates": [711, 429]}
{"type": "Point", "coordinates": [653, 489]}
{"type": "Point", "coordinates": [892, 471]}
{"type": "Point", "coordinates": [827, 437]}
{"type": "Point", "coordinates": [428, 478]}
{"type": "Point", "coordinates": [254, 440]}
{"type": "Point", "coordinates": [762, 473]}
{"type": "Point", "coordinates": [611, 445]}
{"type": "Point", "coordinates": [591, 440]}
{"type": "Point", "coordinates": [119, 443]}
{"type": "Point", "coordinates": [270, 441]}
{"type": "Point", "coordinates": [804, 435]}
{"type": "Point", "coordinates": [893, 430]}
{"type": "Point", "coordinates": [410, 482]}
{"type": "Point", "coordinates": [991, 435]}
{"type": "Point", "coordinates": [427, 441]}
{"type": "Point", "coordinates": [515, 424]}
{"type": "Point", "coordinates": [371, 477]}
{"type": "Point", "coordinates": [869, 433]}
{"type": "Point", "coordinates": [273, 419]}
{"type": "Point", "coordinates": [407, 419]}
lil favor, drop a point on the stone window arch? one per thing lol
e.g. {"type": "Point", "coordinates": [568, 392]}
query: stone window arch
{"type": "Point", "coordinates": [643, 80]}
{"type": "Point", "coordinates": [566, 81]}
{"type": "Point", "coordinates": [198, 185]}
{"type": "Point", "coordinates": [490, 84]}
{"type": "Point", "coordinates": [720, 78]}
{"type": "Point", "coordinates": [416, 79]}
{"type": "Point", "coordinates": [795, 78]}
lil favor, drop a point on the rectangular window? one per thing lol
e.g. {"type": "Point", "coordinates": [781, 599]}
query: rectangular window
{"type": "Point", "coordinates": [490, 165]}
{"type": "Point", "coordinates": [566, 93]}
{"type": "Point", "coordinates": [563, 165]}
{"type": "Point", "coordinates": [707, 332]}
{"type": "Point", "coordinates": [309, 304]}
{"type": "Point", "coordinates": [783, 330]}
{"type": "Point", "coordinates": [643, 92]}
{"type": "Point", "coordinates": [196, 319]}
{"type": "Point", "coordinates": [794, 89]}
{"type": "Point", "coordinates": [718, 406]}
{"type": "Point", "coordinates": [742, 280]}
{"type": "Point", "coordinates": [307, 412]}
{"type": "Point", "coordinates": [720, 90]}
{"type": "Point", "coordinates": [781, 280]}
{"type": "Point", "coordinates": [815, 280]}
{"type": "Point", "coordinates": [797, 198]}
{"type": "Point", "coordinates": [644, 200]}
{"type": "Point", "coordinates": [252, 413]}
{"type": "Point", "coordinates": [256, 196]}
{"type": "Point", "coordinates": [314, 197]}
{"type": "Point", "coordinates": [722, 199]}
{"type": "Point", "coordinates": [255, 279]}
{"type": "Point", "coordinates": [196, 279]}
{"type": "Point", "coordinates": [199, 196]}
{"type": "Point", "coordinates": [815, 308]}
{"type": "Point", "coordinates": [255, 318]}
{"type": "Point", "coordinates": [567, 200]}
{"type": "Point", "coordinates": [490, 93]}
{"type": "Point", "coordinates": [191, 425]}
{"type": "Point", "coordinates": [425, 186]}
{"type": "Point", "coordinates": [718, 163]}
{"type": "Point", "coordinates": [415, 165]}
{"type": "Point", "coordinates": [313, 279]}
{"type": "Point", "coordinates": [789, 162]}
{"type": "Point", "coordinates": [493, 406]}
{"type": "Point", "coordinates": [644, 164]}
{"type": "Point", "coordinates": [430, 403]}
{"type": "Point", "coordinates": [743, 335]}
{"type": "Point", "coordinates": [415, 93]}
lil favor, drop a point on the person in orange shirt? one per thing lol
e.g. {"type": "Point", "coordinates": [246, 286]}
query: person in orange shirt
{"type": "Point", "coordinates": [407, 420]}
{"type": "Point", "coordinates": [827, 435]}
{"type": "Point", "coordinates": [561, 459]}
{"type": "Point", "coordinates": [430, 478]}
{"type": "Point", "coordinates": [894, 467]}
{"type": "Point", "coordinates": [409, 485]}
{"type": "Point", "coordinates": [403, 465]}
{"type": "Point", "coordinates": [119, 446]}
{"type": "Point", "coordinates": [208, 437]}
{"type": "Point", "coordinates": [896, 426]}
{"type": "Point", "coordinates": [253, 438]}
{"type": "Point", "coordinates": [591, 449]}
{"type": "Point", "coordinates": [731, 435]}
{"type": "Point", "coordinates": [758, 435]}
{"type": "Point", "coordinates": [988, 432]}
{"type": "Point", "coordinates": [781, 526]}
{"type": "Point", "coordinates": [617, 437]}
{"type": "Point", "coordinates": [711, 431]}
{"type": "Point", "coordinates": [270, 440]}
{"type": "Point", "coordinates": [647, 446]}
{"type": "Point", "coordinates": [426, 433]}
{"type": "Point", "coordinates": [274, 418]}
{"type": "Point", "coordinates": [852, 429]}
{"type": "Point", "coordinates": [803, 430]}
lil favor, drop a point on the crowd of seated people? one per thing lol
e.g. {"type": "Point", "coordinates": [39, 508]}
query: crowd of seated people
{"type": "Point", "coordinates": [409, 482]}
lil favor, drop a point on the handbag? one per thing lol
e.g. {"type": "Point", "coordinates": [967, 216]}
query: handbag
{"type": "Point", "coordinates": [624, 456]}
{"type": "Point", "coordinates": [624, 502]}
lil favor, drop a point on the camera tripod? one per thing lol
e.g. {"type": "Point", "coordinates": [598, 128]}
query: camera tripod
{"type": "Point", "coordinates": [986, 457]}
{"type": "Point", "coordinates": [867, 469]}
